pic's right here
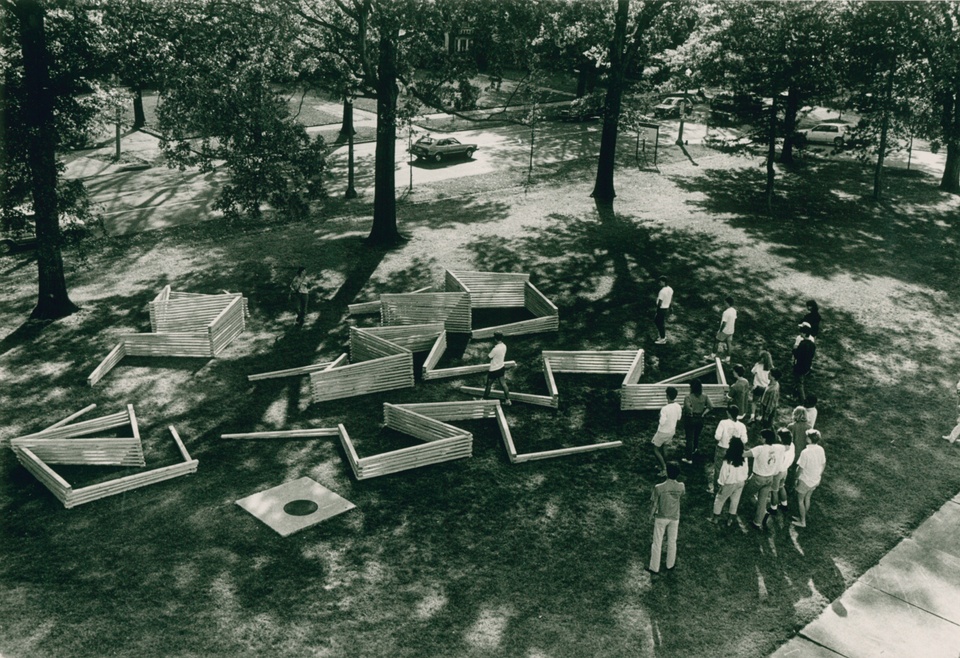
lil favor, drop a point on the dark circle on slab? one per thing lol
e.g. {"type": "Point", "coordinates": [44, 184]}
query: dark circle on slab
{"type": "Point", "coordinates": [300, 507]}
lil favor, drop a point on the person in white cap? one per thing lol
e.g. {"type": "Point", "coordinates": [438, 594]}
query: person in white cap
{"type": "Point", "coordinates": [955, 434]}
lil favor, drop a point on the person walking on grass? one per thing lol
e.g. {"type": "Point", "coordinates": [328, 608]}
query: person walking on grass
{"type": "Point", "coordinates": [761, 379]}
{"type": "Point", "coordinates": [770, 400]}
{"type": "Point", "coordinates": [727, 429]}
{"type": "Point", "coordinates": [733, 475]}
{"type": "Point", "coordinates": [739, 394]}
{"type": "Point", "coordinates": [778, 493]}
{"type": "Point", "coordinates": [798, 437]}
{"type": "Point", "coordinates": [803, 355]}
{"type": "Point", "coordinates": [812, 318]}
{"type": "Point", "coordinates": [728, 322]}
{"type": "Point", "coordinates": [301, 289]}
{"type": "Point", "coordinates": [670, 414]}
{"type": "Point", "coordinates": [664, 299]}
{"type": "Point", "coordinates": [810, 405]}
{"type": "Point", "coordinates": [498, 370]}
{"type": "Point", "coordinates": [766, 462]}
{"type": "Point", "coordinates": [810, 467]}
{"type": "Point", "coordinates": [665, 514]}
{"type": "Point", "coordinates": [954, 435]}
{"type": "Point", "coordinates": [696, 406]}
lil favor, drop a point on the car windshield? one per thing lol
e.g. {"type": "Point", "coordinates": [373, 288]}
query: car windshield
{"type": "Point", "coordinates": [425, 140]}
{"type": "Point", "coordinates": [826, 129]}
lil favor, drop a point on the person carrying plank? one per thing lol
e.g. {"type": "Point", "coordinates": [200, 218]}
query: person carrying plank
{"type": "Point", "coordinates": [498, 370]}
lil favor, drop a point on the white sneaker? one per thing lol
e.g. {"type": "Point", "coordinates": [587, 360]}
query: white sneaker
{"type": "Point", "coordinates": [660, 341]}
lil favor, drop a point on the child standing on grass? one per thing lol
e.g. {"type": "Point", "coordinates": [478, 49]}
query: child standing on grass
{"type": "Point", "coordinates": [696, 406]}
{"type": "Point", "coordinates": [728, 323]}
{"type": "Point", "coordinates": [727, 429]}
{"type": "Point", "coordinates": [766, 462]}
{"type": "Point", "coordinates": [761, 379]}
{"type": "Point", "coordinates": [739, 394]}
{"type": "Point", "coordinates": [665, 513]}
{"type": "Point", "coordinates": [664, 299]}
{"type": "Point", "coordinates": [779, 490]}
{"type": "Point", "coordinates": [770, 400]}
{"type": "Point", "coordinates": [669, 416]}
{"type": "Point", "coordinates": [732, 477]}
{"type": "Point", "coordinates": [498, 370]}
{"type": "Point", "coordinates": [810, 468]}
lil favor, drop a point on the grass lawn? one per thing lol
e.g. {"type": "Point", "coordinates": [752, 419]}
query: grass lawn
{"type": "Point", "coordinates": [479, 557]}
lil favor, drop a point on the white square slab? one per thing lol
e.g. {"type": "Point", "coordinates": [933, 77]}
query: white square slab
{"type": "Point", "coordinates": [309, 502]}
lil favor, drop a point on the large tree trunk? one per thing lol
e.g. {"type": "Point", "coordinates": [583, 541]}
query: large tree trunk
{"type": "Point", "coordinates": [790, 124]}
{"type": "Point", "coordinates": [53, 301]}
{"type": "Point", "coordinates": [884, 130]}
{"type": "Point", "coordinates": [950, 182]}
{"type": "Point", "coordinates": [771, 151]}
{"type": "Point", "coordinates": [603, 189]}
{"type": "Point", "coordinates": [139, 117]}
{"type": "Point", "coordinates": [384, 231]}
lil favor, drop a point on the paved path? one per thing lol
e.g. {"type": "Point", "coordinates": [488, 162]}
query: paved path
{"type": "Point", "coordinates": [908, 606]}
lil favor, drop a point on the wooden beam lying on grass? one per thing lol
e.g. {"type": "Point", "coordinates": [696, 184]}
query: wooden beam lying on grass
{"type": "Point", "coordinates": [540, 400]}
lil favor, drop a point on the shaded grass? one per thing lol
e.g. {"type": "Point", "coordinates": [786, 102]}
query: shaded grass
{"type": "Point", "coordinates": [479, 557]}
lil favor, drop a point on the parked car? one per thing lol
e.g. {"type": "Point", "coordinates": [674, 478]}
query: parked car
{"type": "Point", "coordinates": [430, 148]}
{"type": "Point", "coordinates": [672, 106]}
{"type": "Point", "coordinates": [836, 133]}
{"type": "Point", "coordinates": [735, 107]}
{"type": "Point", "coordinates": [21, 238]}
{"type": "Point", "coordinates": [587, 108]}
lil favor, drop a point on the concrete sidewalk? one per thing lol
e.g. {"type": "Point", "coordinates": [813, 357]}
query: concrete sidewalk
{"type": "Point", "coordinates": [907, 606]}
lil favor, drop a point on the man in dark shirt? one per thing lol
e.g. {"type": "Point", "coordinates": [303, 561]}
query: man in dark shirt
{"type": "Point", "coordinates": [803, 355]}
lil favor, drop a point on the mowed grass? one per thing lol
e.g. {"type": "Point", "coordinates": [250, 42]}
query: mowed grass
{"type": "Point", "coordinates": [480, 557]}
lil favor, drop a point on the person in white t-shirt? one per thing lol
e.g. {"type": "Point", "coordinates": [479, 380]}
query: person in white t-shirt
{"type": "Point", "coordinates": [498, 370]}
{"type": "Point", "coordinates": [664, 299]}
{"type": "Point", "coordinates": [810, 468]}
{"type": "Point", "coordinates": [766, 463]}
{"type": "Point", "coordinates": [728, 323]}
{"type": "Point", "coordinates": [779, 490]}
{"type": "Point", "coordinates": [727, 429]}
{"type": "Point", "coordinates": [733, 475]}
{"type": "Point", "coordinates": [670, 414]}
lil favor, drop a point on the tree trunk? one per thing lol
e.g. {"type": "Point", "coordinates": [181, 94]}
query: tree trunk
{"type": "Point", "coordinates": [771, 151]}
{"type": "Point", "coordinates": [139, 118]}
{"type": "Point", "coordinates": [348, 130]}
{"type": "Point", "coordinates": [790, 124]}
{"type": "Point", "coordinates": [603, 189]}
{"type": "Point", "coordinates": [950, 182]}
{"type": "Point", "coordinates": [384, 231]}
{"type": "Point", "coordinates": [52, 301]}
{"type": "Point", "coordinates": [884, 129]}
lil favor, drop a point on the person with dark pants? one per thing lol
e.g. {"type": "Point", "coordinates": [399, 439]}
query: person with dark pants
{"type": "Point", "coordinates": [664, 299]}
{"type": "Point", "coordinates": [299, 287]}
{"type": "Point", "coordinates": [497, 372]}
{"type": "Point", "coordinates": [803, 355]}
{"type": "Point", "coordinates": [696, 406]}
{"type": "Point", "coordinates": [766, 463]}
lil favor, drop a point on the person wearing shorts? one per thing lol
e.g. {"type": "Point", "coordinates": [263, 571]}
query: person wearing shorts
{"type": "Point", "coordinates": [670, 415]}
{"type": "Point", "coordinates": [498, 370]}
{"type": "Point", "coordinates": [728, 323]}
{"type": "Point", "coordinates": [810, 468]}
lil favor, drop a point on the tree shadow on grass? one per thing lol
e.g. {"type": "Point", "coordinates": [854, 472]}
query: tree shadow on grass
{"type": "Point", "coordinates": [912, 235]}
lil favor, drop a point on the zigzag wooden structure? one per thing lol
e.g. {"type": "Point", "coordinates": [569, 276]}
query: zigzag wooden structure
{"type": "Point", "coordinates": [505, 290]}
{"type": "Point", "coordinates": [611, 362]}
{"type": "Point", "coordinates": [462, 292]}
{"type": "Point", "coordinates": [182, 324]}
{"type": "Point", "coordinates": [57, 445]}
{"type": "Point", "coordinates": [653, 396]}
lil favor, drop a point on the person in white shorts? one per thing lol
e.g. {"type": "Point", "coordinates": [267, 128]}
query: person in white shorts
{"type": "Point", "coordinates": [810, 468]}
{"type": "Point", "coordinates": [670, 414]}
{"type": "Point", "coordinates": [728, 323]}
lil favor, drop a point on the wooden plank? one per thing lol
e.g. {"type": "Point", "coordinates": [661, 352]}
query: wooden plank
{"type": "Point", "coordinates": [417, 425]}
{"type": "Point", "coordinates": [349, 450]}
{"type": "Point", "coordinates": [336, 363]}
{"type": "Point", "coordinates": [563, 452]}
{"type": "Point", "coordinates": [537, 303]}
{"type": "Point", "coordinates": [460, 371]}
{"type": "Point", "coordinates": [108, 363]}
{"type": "Point", "coordinates": [382, 374]}
{"type": "Point", "coordinates": [285, 434]}
{"type": "Point", "coordinates": [289, 372]}
{"type": "Point", "coordinates": [593, 362]}
{"type": "Point", "coordinates": [548, 375]}
{"type": "Point", "coordinates": [506, 435]}
{"type": "Point", "coordinates": [133, 421]}
{"type": "Point", "coordinates": [84, 452]}
{"type": "Point", "coordinates": [435, 354]}
{"type": "Point", "coordinates": [690, 374]}
{"type": "Point", "coordinates": [540, 400]}
{"type": "Point", "coordinates": [129, 483]}
{"type": "Point", "coordinates": [74, 415]}
{"type": "Point", "coordinates": [230, 308]}
{"type": "Point", "coordinates": [534, 326]}
{"type": "Point", "coordinates": [721, 375]}
{"type": "Point", "coordinates": [458, 410]}
{"type": "Point", "coordinates": [49, 473]}
{"type": "Point", "coordinates": [180, 446]}
{"type": "Point", "coordinates": [363, 308]}
{"type": "Point", "coordinates": [635, 371]}
{"type": "Point", "coordinates": [84, 427]}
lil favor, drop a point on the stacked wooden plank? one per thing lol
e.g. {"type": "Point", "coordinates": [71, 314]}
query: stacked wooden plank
{"type": "Point", "coordinates": [183, 325]}
{"type": "Point", "coordinates": [58, 445]}
{"type": "Point", "coordinates": [505, 290]}
{"type": "Point", "coordinates": [382, 361]}
{"type": "Point", "coordinates": [653, 396]}
{"type": "Point", "coordinates": [443, 442]}
{"type": "Point", "coordinates": [369, 308]}
{"type": "Point", "coordinates": [450, 308]}
{"type": "Point", "coordinates": [430, 370]}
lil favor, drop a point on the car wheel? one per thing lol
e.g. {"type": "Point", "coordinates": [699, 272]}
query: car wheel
{"type": "Point", "coordinates": [470, 153]}
{"type": "Point", "coordinates": [838, 142]}
{"type": "Point", "coordinates": [6, 246]}
{"type": "Point", "coordinates": [438, 157]}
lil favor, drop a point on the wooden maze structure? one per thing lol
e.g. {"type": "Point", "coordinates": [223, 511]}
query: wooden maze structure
{"type": "Point", "coordinates": [640, 397]}
{"type": "Point", "coordinates": [182, 324]}
{"type": "Point", "coordinates": [462, 292]}
{"type": "Point", "coordinates": [58, 445]}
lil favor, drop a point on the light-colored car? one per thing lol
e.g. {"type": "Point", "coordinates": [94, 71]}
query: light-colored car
{"type": "Point", "coordinates": [672, 106]}
{"type": "Point", "coordinates": [829, 132]}
{"type": "Point", "coordinates": [430, 148]}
